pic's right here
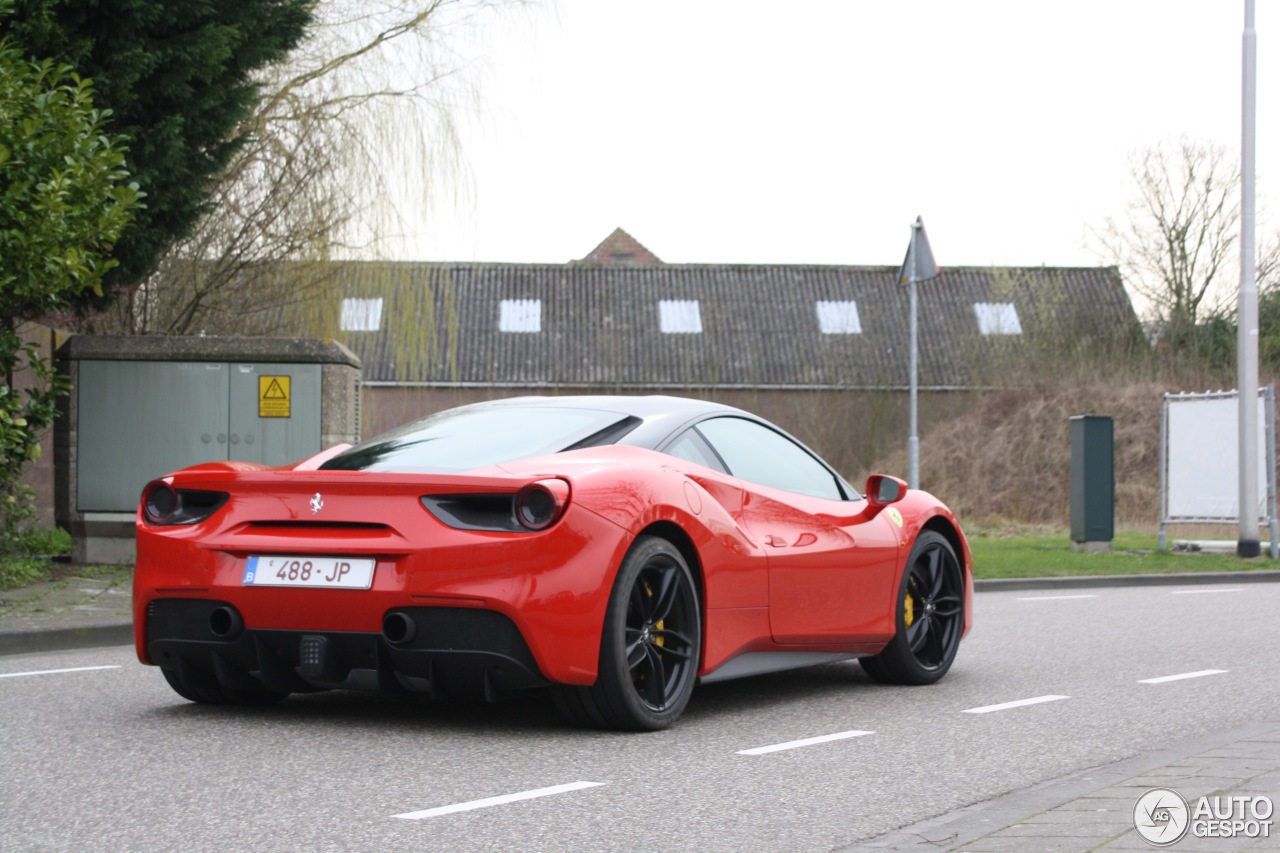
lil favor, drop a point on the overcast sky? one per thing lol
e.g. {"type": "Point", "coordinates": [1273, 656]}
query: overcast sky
{"type": "Point", "coordinates": [814, 131]}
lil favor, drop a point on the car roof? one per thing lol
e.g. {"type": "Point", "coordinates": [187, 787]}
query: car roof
{"type": "Point", "coordinates": [644, 407]}
{"type": "Point", "coordinates": [660, 416]}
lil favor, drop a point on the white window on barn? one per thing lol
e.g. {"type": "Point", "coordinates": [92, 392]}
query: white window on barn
{"type": "Point", "coordinates": [997, 318]}
{"type": "Point", "coordinates": [520, 315]}
{"type": "Point", "coordinates": [838, 318]}
{"type": "Point", "coordinates": [679, 316]}
{"type": "Point", "coordinates": [361, 315]}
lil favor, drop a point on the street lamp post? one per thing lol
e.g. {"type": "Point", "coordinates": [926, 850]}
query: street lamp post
{"type": "Point", "coordinates": [918, 266]}
{"type": "Point", "coordinates": [1247, 334]}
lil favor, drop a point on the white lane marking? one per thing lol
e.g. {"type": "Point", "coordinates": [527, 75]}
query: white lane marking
{"type": "Point", "coordinates": [498, 801]}
{"type": "Point", "coordinates": [1057, 597]}
{"type": "Point", "coordinates": [55, 671]}
{"type": "Point", "coordinates": [1200, 673]}
{"type": "Point", "coordinates": [1005, 706]}
{"type": "Point", "coordinates": [796, 744]}
{"type": "Point", "coordinates": [1206, 591]}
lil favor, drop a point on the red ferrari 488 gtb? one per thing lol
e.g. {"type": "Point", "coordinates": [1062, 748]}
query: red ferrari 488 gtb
{"type": "Point", "coordinates": [616, 550]}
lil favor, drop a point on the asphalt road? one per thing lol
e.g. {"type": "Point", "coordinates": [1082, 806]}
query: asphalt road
{"type": "Point", "coordinates": [97, 754]}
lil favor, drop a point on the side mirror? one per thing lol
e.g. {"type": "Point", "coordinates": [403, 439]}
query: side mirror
{"type": "Point", "coordinates": [883, 490]}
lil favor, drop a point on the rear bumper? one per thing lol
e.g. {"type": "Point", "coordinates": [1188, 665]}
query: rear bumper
{"type": "Point", "coordinates": [422, 650]}
{"type": "Point", "coordinates": [553, 586]}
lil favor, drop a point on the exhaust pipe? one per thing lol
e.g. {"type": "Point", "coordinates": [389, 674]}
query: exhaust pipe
{"type": "Point", "coordinates": [399, 628]}
{"type": "Point", "coordinates": [225, 623]}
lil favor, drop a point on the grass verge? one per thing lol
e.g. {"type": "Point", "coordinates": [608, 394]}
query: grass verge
{"type": "Point", "coordinates": [22, 571]}
{"type": "Point", "coordinates": [1047, 554]}
{"type": "Point", "coordinates": [17, 572]}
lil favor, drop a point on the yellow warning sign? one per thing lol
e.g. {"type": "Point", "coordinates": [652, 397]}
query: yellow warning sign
{"type": "Point", "coordinates": [273, 396]}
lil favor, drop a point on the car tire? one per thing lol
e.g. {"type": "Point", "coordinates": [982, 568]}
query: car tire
{"type": "Point", "coordinates": [650, 649]}
{"type": "Point", "coordinates": [220, 695]}
{"type": "Point", "coordinates": [929, 611]}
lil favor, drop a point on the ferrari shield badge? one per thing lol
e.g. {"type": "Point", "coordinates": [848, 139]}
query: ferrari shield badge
{"type": "Point", "coordinates": [892, 512]}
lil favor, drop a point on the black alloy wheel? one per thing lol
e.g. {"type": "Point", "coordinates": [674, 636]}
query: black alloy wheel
{"type": "Point", "coordinates": [930, 616]}
{"type": "Point", "coordinates": [651, 646]}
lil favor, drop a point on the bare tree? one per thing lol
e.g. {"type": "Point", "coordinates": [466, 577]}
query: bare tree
{"type": "Point", "coordinates": [1177, 241]}
{"type": "Point", "coordinates": [1177, 246]}
{"type": "Point", "coordinates": [1268, 269]}
{"type": "Point", "coordinates": [359, 119]}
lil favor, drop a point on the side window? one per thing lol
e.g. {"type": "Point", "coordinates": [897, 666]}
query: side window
{"type": "Point", "coordinates": [693, 448]}
{"type": "Point", "coordinates": [759, 455]}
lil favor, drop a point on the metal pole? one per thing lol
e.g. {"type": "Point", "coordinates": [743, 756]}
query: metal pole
{"type": "Point", "coordinates": [1273, 524]}
{"type": "Point", "coordinates": [913, 438]}
{"type": "Point", "coordinates": [1163, 540]}
{"type": "Point", "coordinates": [1247, 342]}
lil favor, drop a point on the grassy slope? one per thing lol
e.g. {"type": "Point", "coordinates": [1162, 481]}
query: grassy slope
{"type": "Point", "coordinates": [1004, 467]}
{"type": "Point", "coordinates": [1008, 459]}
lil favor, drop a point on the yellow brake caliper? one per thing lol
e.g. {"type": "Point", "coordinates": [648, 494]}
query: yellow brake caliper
{"type": "Point", "coordinates": [657, 626]}
{"type": "Point", "coordinates": [908, 608]}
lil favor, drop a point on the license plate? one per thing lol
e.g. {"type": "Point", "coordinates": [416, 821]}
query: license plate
{"type": "Point", "coordinates": [327, 572]}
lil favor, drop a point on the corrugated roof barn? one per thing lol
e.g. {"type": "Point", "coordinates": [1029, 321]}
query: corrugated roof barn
{"type": "Point", "coordinates": [622, 320]}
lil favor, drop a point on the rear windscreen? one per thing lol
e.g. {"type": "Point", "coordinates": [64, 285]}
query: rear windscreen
{"type": "Point", "coordinates": [479, 436]}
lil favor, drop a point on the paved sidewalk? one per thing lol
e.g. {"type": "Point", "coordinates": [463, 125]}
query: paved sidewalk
{"type": "Point", "coordinates": [1094, 809]}
{"type": "Point", "coordinates": [69, 613]}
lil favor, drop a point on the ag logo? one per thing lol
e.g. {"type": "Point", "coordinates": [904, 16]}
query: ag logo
{"type": "Point", "coordinates": [894, 515]}
{"type": "Point", "coordinates": [1161, 817]}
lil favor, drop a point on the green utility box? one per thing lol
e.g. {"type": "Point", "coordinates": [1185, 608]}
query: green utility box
{"type": "Point", "coordinates": [142, 419]}
{"type": "Point", "coordinates": [141, 407]}
{"type": "Point", "coordinates": [1093, 483]}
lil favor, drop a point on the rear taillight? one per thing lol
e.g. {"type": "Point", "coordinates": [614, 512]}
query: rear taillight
{"type": "Point", "coordinates": [162, 504]}
{"type": "Point", "coordinates": [540, 505]}
{"type": "Point", "coordinates": [159, 500]}
{"type": "Point", "coordinates": [535, 507]}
